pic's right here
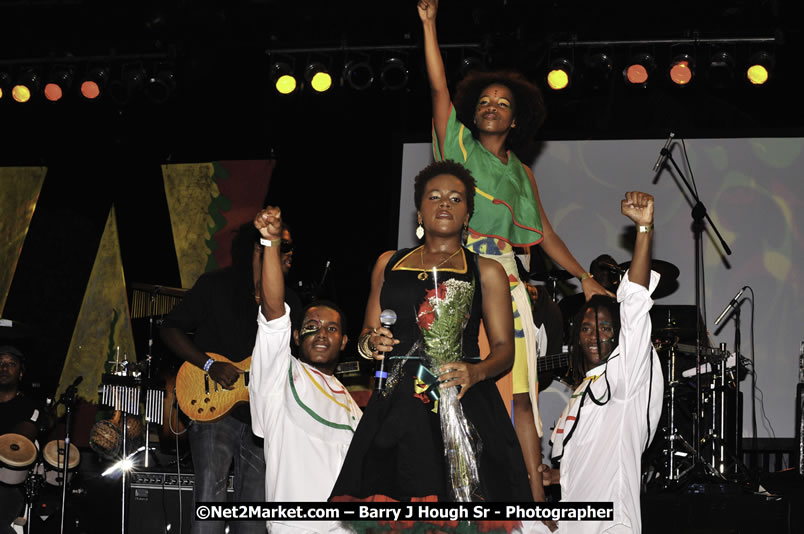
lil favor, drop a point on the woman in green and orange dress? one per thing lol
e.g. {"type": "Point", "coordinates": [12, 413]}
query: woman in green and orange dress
{"type": "Point", "coordinates": [494, 112]}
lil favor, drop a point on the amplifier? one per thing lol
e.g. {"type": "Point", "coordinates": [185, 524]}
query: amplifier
{"type": "Point", "coordinates": [162, 502]}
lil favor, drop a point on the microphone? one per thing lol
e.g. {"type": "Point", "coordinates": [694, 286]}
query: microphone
{"type": "Point", "coordinates": [730, 306]}
{"type": "Point", "coordinates": [387, 319]}
{"type": "Point", "coordinates": [664, 152]}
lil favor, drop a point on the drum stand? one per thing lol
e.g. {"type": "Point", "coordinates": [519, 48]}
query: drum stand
{"type": "Point", "coordinates": [33, 484]}
{"type": "Point", "coordinates": [673, 437]}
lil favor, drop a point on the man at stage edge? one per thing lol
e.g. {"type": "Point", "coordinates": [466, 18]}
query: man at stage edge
{"type": "Point", "coordinates": [612, 416]}
{"type": "Point", "coordinates": [305, 414]}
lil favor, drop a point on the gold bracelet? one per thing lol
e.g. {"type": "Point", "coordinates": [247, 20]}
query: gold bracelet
{"type": "Point", "coordinates": [364, 346]}
{"type": "Point", "coordinates": [585, 275]}
{"type": "Point", "coordinates": [645, 229]}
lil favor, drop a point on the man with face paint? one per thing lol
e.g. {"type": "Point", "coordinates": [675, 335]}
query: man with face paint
{"type": "Point", "coordinates": [612, 416]}
{"type": "Point", "coordinates": [306, 416]}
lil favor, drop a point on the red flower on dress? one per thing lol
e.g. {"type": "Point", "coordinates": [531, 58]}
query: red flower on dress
{"type": "Point", "coordinates": [426, 314]}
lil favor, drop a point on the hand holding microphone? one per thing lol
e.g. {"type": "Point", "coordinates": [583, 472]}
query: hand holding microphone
{"type": "Point", "coordinates": [383, 341]}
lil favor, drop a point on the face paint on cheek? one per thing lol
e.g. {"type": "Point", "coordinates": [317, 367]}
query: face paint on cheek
{"type": "Point", "coordinates": [309, 329]}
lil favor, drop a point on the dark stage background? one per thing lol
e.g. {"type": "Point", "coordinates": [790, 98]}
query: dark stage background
{"type": "Point", "coordinates": [338, 155]}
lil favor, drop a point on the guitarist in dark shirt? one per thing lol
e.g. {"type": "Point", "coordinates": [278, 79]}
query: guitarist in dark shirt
{"type": "Point", "coordinates": [220, 312]}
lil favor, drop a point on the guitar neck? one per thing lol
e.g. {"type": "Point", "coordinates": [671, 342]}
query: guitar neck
{"type": "Point", "coordinates": [551, 362]}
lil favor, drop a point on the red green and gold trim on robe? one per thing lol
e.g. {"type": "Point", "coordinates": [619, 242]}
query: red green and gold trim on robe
{"type": "Point", "coordinates": [505, 207]}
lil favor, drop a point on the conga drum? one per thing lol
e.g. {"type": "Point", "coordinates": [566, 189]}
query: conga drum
{"type": "Point", "coordinates": [54, 462]}
{"type": "Point", "coordinates": [17, 455]}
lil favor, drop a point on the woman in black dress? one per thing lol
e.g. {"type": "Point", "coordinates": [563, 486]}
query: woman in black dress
{"type": "Point", "coordinates": [439, 394]}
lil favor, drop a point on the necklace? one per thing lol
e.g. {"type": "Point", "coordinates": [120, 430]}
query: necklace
{"type": "Point", "coordinates": [423, 275]}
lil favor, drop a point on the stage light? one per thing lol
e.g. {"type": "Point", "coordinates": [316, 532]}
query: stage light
{"type": "Point", "coordinates": [129, 85]}
{"type": "Point", "coordinates": [317, 75]}
{"type": "Point", "coordinates": [94, 82]}
{"type": "Point", "coordinates": [58, 83]}
{"type": "Point", "coordinates": [358, 74]}
{"type": "Point", "coordinates": [394, 74]}
{"type": "Point", "coordinates": [759, 68]}
{"type": "Point", "coordinates": [283, 78]}
{"type": "Point", "coordinates": [639, 70]}
{"type": "Point", "coordinates": [160, 86]}
{"type": "Point", "coordinates": [721, 69]}
{"type": "Point", "coordinates": [559, 76]}
{"type": "Point", "coordinates": [125, 464]}
{"type": "Point", "coordinates": [27, 85]}
{"type": "Point", "coordinates": [682, 69]}
{"type": "Point", "coordinates": [597, 70]}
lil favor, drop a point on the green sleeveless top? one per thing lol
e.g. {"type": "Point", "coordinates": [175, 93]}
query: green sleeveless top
{"type": "Point", "coordinates": [504, 204]}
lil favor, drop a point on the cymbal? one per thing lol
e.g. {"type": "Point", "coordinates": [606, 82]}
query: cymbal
{"type": "Point", "coordinates": [550, 276]}
{"type": "Point", "coordinates": [673, 334]}
{"type": "Point", "coordinates": [669, 273]}
{"type": "Point", "coordinates": [15, 330]}
{"type": "Point", "coordinates": [673, 330]}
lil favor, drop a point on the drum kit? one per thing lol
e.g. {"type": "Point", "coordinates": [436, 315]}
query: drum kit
{"type": "Point", "coordinates": [700, 427]}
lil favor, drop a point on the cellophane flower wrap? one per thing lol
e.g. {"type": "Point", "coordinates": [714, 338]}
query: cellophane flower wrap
{"type": "Point", "coordinates": [441, 319]}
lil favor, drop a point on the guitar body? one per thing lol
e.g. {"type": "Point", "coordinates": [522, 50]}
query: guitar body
{"type": "Point", "coordinates": [201, 398]}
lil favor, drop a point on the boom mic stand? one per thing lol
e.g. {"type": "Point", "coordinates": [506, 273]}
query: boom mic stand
{"type": "Point", "coordinates": [698, 215]}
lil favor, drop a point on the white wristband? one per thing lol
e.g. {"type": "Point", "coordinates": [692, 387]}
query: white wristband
{"type": "Point", "coordinates": [208, 364]}
{"type": "Point", "coordinates": [269, 242]}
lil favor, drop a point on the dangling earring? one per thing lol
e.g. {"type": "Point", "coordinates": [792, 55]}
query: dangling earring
{"type": "Point", "coordinates": [465, 234]}
{"type": "Point", "coordinates": [420, 231]}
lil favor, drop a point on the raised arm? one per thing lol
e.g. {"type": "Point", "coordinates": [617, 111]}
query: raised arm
{"type": "Point", "coordinates": [638, 207]}
{"type": "Point", "coordinates": [439, 91]}
{"type": "Point", "coordinates": [554, 246]}
{"type": "Point", "coordinates": [272, 292]}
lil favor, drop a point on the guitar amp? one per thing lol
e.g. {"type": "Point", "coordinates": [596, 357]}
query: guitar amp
{"type": "Point", "coordinates": [162, 502]}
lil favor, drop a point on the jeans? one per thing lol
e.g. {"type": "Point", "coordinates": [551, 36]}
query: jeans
{"type": "Point", "coordinates": [214, 446]}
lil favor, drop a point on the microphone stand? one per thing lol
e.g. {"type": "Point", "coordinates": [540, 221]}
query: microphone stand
{"type": "Point", "coordinates": [699, 213]}
{"type": "Point", "coordinates": [67, 400]}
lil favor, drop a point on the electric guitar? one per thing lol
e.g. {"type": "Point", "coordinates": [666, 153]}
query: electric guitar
{"type": "Point", "coordinates": [204, 400]}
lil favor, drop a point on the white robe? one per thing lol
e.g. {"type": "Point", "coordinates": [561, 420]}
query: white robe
{"type": "Point", "coordinates": [601, 459]}
{"type": "Point", "coordinates": [307, 419]}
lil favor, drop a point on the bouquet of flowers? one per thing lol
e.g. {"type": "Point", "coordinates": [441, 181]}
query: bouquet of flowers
{"type": "Point", "coordinates": [441, 319]}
